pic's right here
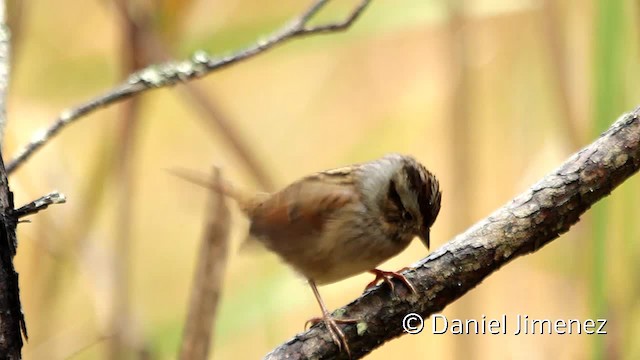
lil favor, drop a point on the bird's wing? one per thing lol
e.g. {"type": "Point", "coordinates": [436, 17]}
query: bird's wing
{"type": "Point", "coordinates": [300, 210]}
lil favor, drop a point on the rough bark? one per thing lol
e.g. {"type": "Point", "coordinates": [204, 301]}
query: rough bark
{"type": "Point", "coordinates": [11, 317]}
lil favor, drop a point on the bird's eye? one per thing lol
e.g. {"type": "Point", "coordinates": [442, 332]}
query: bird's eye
{"type": "Point", "coordinates": [407, 216]}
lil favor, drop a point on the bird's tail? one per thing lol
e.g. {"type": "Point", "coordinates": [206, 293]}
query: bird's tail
{"type": "Point", "coordinates": [244, 200]}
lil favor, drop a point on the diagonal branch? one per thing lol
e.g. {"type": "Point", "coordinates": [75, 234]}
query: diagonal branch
{"type": "Point", "coordinates": [214, 118]}
{"type": "Point", "coordinates": [170, 73]}
{"type": "Point", "coordinates": [530, 221]}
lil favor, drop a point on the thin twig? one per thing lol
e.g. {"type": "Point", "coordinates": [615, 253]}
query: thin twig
{"type": "Point", "coordinates": [211, 113]}
{"type": "Point", "coordinates": [530, 221]}
{"type": "Point", "coordinates": [39, 204]}
{"type": "Point", "coordinates": [207, 284]}
{"type": "Point", "coordinates": [5, 61]}
{"type": "Point", "coordinates": [88, 345]}
{"type": "Point", "coordinates": [170, 73]}
{"type": "Point", "coordinates": [340, 26]}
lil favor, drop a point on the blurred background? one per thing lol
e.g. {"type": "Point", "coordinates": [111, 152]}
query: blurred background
{"type": "Point", "coordinates": [489, 95]}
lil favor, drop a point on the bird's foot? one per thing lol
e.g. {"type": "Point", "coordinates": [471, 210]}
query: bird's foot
{"type": "Point", "coordinates": [387, 277]}
{"type": "Point", "coordinates": [332, 325]}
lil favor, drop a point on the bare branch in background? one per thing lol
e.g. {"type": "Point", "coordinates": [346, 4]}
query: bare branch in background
{"type": "Point", "coordinates": [207, 282]}
{"type": "Point", "coordinates": [339, 26]}
{"type": "Point", "coordinates": [5, 61]}
{"type": "Point", "coordinates": [87, 346]}
{"type": "Point", "coordinates": [218, 121]}
{"type": "Point", "coordinates": [461, 150]}
{"type": "Point", "coordinates": [211, 113]}
{"type": "Point", "coordinates": [553, 36]}
{"type": "Point", "coordinates": [530, 221]}
{"type": "Point", "coordinates": [171, 73]}
{"type": "Point", "coordinates": [131, 60]}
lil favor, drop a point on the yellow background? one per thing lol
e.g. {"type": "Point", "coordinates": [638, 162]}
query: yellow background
{"type": "Point", "coordinates": [476, 94]}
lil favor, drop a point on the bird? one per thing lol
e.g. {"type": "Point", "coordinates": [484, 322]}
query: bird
{"type": "Point", "coordinates": [338, 223]}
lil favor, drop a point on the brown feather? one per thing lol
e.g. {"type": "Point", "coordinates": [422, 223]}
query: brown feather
{"type": "Point", "coordinates": [298, 211]}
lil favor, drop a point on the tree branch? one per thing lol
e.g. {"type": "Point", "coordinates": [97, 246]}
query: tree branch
{"type": "Point", "coordinates": [11, 317]}
{"type": "Point", "coordinates": [530, 221]}
{"type": "Point", "coordinates": [39, 204]}
{"type": "Point", "coordinates": [170, 73]}
{"type": "Point", "coordinates": [208, 278]}
{"type": "Point", "coordinates": [12, 324]}
{"type": "Point", "coordinates": [214, 118]}
{"type": "Point", "coordinates": [131, 59]}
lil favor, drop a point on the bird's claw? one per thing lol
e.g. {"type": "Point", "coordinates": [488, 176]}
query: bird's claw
{"type": "Point", "coordinates": [387, 277]}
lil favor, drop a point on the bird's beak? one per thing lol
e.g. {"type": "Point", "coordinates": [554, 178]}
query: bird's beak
{"type": "Point", "coordinates": [425, 238]}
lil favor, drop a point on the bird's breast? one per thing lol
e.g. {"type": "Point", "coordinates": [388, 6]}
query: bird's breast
{"type": "Point", "coordinates": [346, 246]}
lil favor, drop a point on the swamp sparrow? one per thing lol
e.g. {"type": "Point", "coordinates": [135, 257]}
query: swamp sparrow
{"type": "Point", "coordinates": [339, 223]}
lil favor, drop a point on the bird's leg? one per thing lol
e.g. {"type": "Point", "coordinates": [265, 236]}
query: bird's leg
{"type": "Point", "coordinates": [387, 277]}
{"type": "Point", "coordinates": [332, 324]}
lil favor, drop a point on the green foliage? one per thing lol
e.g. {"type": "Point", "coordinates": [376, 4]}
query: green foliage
{"type": "Point", "coordinates": [611, 50]}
